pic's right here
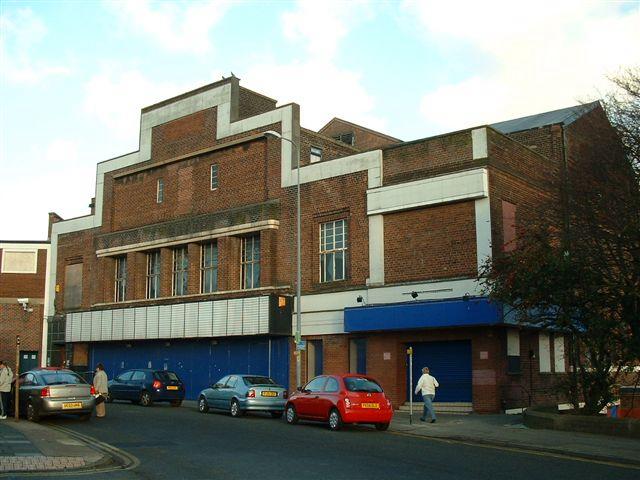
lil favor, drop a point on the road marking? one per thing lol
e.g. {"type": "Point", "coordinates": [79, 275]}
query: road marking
{"type": "Point", "coordinates": [523, 450]}
{"type": "Point", "coordinates": [125, 461]}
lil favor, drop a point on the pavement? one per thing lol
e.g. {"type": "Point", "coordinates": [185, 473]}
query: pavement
{"type": "Point", "coordinates": [30, 447]}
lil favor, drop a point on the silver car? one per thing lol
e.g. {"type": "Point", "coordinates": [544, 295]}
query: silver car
{"type": "Point", "coordinates": [53, 391]}
{"type": "Point", "coordinates": [238, 394]}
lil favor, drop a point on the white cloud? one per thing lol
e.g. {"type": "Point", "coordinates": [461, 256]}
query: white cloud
{"type": "Point", "coordinates": [115, 99]}
{"type": "Point", "coordinates": [22, 31]}
{"type": "Point", "coordinates": [322, 89]}
{"type": "Point", "coordinates": [533, 59]}
{"type": "Point", "coordinates": [176, 27]}
{"type": "Point", "coordinates": [323, 25]}
{"type": "Point", "coordinates": [60, 162]}
{"type": "Point", "coordinates": [317, 83]}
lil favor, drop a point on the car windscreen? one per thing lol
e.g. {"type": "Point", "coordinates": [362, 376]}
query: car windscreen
{"type": "Point", "coordinates": [361, 384]}
{"type": "Point", "coordinates": [62, 378]}
{"type": "Point", "coordinates": [167, 376]}
{"type": "Point", "coordinates": [258, 381]}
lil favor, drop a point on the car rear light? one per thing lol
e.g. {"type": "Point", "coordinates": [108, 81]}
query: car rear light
{"type": "Point", "coordinates": [347, 403]}
{"type": "Point", "coordinates": [92, 390]}
{"type": "Point", "coordinates": [251, 394]}
{"type": "Point", "coordinates": [157, 384]}
{"type": "Point", "coordinates": [45, 392]}
{"type": "Point", "coordinates": [285, 394]}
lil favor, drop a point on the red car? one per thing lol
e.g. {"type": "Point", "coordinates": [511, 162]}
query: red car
{"type": "Point", "coordinates": [340, 399]}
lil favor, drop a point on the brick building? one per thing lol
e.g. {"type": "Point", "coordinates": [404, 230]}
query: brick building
{"type": "Point", "coordinates": [187, 260]}
{"type": "Point", "coordinates": [23, 270]}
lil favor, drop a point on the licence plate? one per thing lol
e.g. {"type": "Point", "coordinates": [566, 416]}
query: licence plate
{"type": "Point", "coordinates": [70, 405]}
{"type": "Point", "coordinates": [269, 394]}
{"type": "Point", "coordinates": [370, 405]}
{"type": "Point", "coordinates": [171, 387]}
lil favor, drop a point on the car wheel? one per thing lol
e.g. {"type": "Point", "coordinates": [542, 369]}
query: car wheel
{"type": "Point", "coordinates": [32, 413]}
{"type": "Point", "coordinates": [292, 416]}
{"type": "Point", "coordinates": [203, 406]}
{"type": "Point", "coordinates": [277, 414]}
{"type": "Point", "coordinates": [145, 399]}
{"type": "Point", "coordinates": [335, 422]}
{"type": "Point", "coordinates": [236, 411]}
{"type": "Point", "coordinates": [176, 403]}
{"type": "Point", "coordinates": [382, 426]}
{"type": "Point", "coordinates": [84, 417]}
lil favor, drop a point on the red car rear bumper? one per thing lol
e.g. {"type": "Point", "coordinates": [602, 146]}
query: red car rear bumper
{"type": "Point", "coordinates": [366, 416]}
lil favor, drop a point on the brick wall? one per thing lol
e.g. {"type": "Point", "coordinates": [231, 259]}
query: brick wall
{"type": "Point", "coordinates": [15, 321]}
{"type": "Point", "coordinates": [364, 139]}
{"type": "Point", "coordinates": [24, 284]}
{"type": "Point", "coordinates": [430, 243]}
{"type": "Point", "coordinates": [253, 103]}
{"type": "Point", "coordinates": [424, 158]}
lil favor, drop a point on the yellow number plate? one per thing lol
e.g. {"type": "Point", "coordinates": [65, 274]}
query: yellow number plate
{"type": "Point", "coordinates": [370, 405]}
{"type": "Point", "coordinates": [269, 394]}
{"type": "Point", "coordinates": [70, 405]}
{"type": "Point", "coordinates": [172, 387]}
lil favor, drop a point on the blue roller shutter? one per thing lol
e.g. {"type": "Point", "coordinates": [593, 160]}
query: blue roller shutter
{"type": "Point", "coordinates": [449, 363]}
{"type": "Point", "coordinates": [199, 363]}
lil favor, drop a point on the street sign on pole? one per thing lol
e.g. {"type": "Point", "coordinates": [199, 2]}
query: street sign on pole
{"type": "Point", "coordinates": [410, 353]}
{"type": "Point", "coordinates": [301, 345]}
{"type": "Point", "coordinates": [16, 400]}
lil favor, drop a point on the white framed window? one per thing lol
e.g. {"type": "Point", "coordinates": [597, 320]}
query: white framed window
{"type": "Point", "coordinates": [153, 275]}
{"type": "Point", "coordinates": [316, 154]}
{"type": "Point", "coordinates": [160, 191]}
{"type": "Point", "coordinates": [333, 251]}
{"type": "Point", "coordinates": [250, 259]}
{"type": "Point", "coordinates": [209, 268]}
{"type": "Point", "coordinates": [180, 273]}
{"type": "Point", "coordinates": [214, 176]}
{"type": "Point", "coordinates": [121, 279]}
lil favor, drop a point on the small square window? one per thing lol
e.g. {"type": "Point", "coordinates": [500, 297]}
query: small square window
{"type": "Point", "coordinates": [316, 154]}
{"type": "Point", "coordinates": [160, 191]}
{"type": "Point", "coordinates": [214, 176]}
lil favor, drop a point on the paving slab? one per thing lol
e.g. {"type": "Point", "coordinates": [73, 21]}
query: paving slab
{"type": "Point", "coordinates": [508, 431]}
{"type": "Point", "coordinates": [27, 446]}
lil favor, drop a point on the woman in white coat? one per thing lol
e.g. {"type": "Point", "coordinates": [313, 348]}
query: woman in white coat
{"type": "Point", "coordinates": [100, 384]}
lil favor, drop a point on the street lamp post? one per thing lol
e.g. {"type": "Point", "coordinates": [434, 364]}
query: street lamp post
{"type": "Point", "coordinates": [298, 333]}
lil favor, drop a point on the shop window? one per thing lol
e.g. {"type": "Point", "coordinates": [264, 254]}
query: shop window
{"type": "Point", "coordinates": [214, 176]}
{"type": "Point", "coordinates": [314, 358]}
{"type": "Point", "coordinates": [180, 271]}
{"type": "Point", "coordinates": [121, 279]}
{"type": "Point", "coordinates": [316, 154]}
{"type": "Point", "coordinates": [73, 286]}
{"type": "Point", "coordinates": [160, 191]}
{"type": "Point", "coordinates": [153, 275]}
{"type": "Point", "coordinates": [333, 251]}
{"type": "Point", "coordinates": [358, 355]}
{"type": "Point", "coordinates": [250, 259]}
{"type": "Point", "coordinates": [209, 267]}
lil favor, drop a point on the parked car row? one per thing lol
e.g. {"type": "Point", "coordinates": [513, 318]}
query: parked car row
{"type": "Point", "coordinates": [334, 399]}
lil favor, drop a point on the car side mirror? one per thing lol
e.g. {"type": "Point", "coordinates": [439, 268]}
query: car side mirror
{"type": "Point", "coordinates": [216, 385]}
{"type": "Point", "coordinates": [300, 389]}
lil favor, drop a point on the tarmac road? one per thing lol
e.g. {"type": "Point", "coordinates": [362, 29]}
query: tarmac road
{"type": "Point", "coordinates": [180, 443]}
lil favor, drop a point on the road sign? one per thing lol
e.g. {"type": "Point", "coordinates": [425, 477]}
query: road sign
{"type": "Point", "coordinates": [301, 345]}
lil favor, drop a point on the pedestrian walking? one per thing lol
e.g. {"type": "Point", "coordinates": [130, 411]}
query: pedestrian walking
{"type": "Point", "coordinates": [6, 377]}
{"type": "Point", "coordinates": [102, 389]}
{"type": "Point", "coordinates": [427, 386]}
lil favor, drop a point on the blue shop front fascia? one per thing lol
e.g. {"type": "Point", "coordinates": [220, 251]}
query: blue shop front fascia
{"type": "Point", "coordinates": [459, 312]}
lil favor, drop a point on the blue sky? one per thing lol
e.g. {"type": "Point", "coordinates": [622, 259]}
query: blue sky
{"type": "Point", "coordinates": [75, 74]}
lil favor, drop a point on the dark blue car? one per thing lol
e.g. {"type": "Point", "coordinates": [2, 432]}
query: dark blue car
{"type": "Point", "coordinates": [145, 386]}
